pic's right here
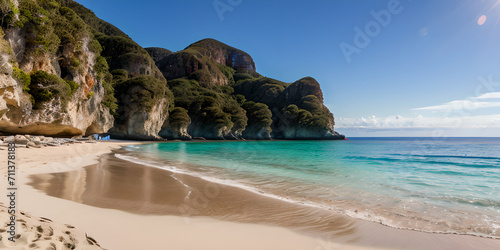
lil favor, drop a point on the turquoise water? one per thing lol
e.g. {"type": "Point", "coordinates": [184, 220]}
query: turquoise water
{"type": "Point", "coordinates": [447, 185]}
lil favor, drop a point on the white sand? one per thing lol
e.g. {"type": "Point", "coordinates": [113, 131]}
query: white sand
{"type": "Point", "coordinates": [42, 233]}
{"type": "Point", "coordinates": [114, 229]}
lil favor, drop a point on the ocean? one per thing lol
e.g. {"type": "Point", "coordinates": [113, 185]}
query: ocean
{"type": "Point", "coordinates": [445, 185]}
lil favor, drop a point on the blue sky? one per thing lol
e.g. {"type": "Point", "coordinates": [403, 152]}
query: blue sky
{"type": "Point", "coordinates": [429, 70]}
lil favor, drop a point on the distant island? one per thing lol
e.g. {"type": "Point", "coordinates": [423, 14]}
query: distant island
{"type": "Point", "coordinates": [65, 72]}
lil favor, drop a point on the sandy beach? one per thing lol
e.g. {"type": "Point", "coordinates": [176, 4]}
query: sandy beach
{"type": "Point", "coordinates": [123, 205]}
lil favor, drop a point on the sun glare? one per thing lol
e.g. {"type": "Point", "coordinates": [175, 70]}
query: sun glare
{"type": "Point", "coordinates": [481, 20]}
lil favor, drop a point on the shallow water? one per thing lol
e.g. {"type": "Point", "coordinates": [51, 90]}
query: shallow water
{"type": "Point", "coordinates": [447, 185]}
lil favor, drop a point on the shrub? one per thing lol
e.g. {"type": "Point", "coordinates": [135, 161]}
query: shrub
{"type": "Point", "coordinates": [142, 90]}
{"type": "Point", "coordinates": [241, 76]}
{"type": "Point", "coordinates": [311, 103]}
{"type": "Point", "coordinates": [73, 86]}
{"type": "Point", "coordinates": [191, 96]}
{"type": "Point", "coordinates": [304, 117]}
{"type": "Point", "coordinates": [224, 89]}
{"type": "Point", "coordinates": [119, 74]}
{"type": "Point", "coordinates": [71, 29]}
{"type": "Point", "coordinates": [258, 114]}
{"type": "Point", "coordinates": [319, 114]}
{"type": "Point", "coordinates": [202, 76]}
{"type": "Point", "coordinates": [179, 117]}
{"type": "Point", "coordinates": [37, 19]}
{"type": "Point", "coordinates": [322, 120]}
{"type": "Point", "coordinates": [216, 117]}
{"type": "Point", "coordinates": [90, 94]}
{"type": "Point", "coordinates": [264, 90]}
{"type": "Point", "coordinates": [228, 72]}
{"type": "Point", "coordinates": [120, 50]}
{"type": "Point", "coordinates": [109, 99]}
{"type": "Point", "coordinates": [238, 114]}
{"type": "Point", "coordinates": [313, 114]}
{"type": "Point", "coordinates": [95, 46]}
{"type": "Point", "coordinates": [101, 67]}
{"type": "Point", "coordinates": [240, 99]}
{"type": "Point", "coordinates": [75, 63]}
{"type": "Point", "coordinates": [45, 87]}
{"type": "Point", "coordinates": [292, 109]}
{"type": "Point", "coordinates": [20, 75]}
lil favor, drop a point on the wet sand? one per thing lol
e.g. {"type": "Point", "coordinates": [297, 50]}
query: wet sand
{"type": "Point", "coordinates": [117, 184]}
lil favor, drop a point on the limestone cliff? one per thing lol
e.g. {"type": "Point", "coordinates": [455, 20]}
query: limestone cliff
{"type": "Point", "coordinates": [131, 66]}
{"type": "Point", "coordinates": [65, 101]}
{"type": "Point", "coordinates": [206, 62]}
{"type": "Point", "coordinates": [302, 114]}
{"type": "Point", "coordinates": [65, 72]}
{"type": "Point", "coordinates": [176, 126]}
{"type": "Point", "coordinates": [143, 108]}
{"type": "Point", "coordinates": [57, 60]}
{"type": "Point", "coordinates": [225, 98]}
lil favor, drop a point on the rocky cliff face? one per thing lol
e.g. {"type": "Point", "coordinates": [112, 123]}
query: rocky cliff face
{"type": "Point", "coordinates": [48, 112]}
{"type": "Point", "coordinates": [137, 82]}
{"type": "Point", "coordinates": [225, 55]}
{"type": "Point", "coordinates": [142, 97]}
{"type": "Point", "coordinates": [297, 109]}
{"type": "Point", "coordinates": [65, 72]}
{"type": "Point", "coordinates": [225, 98]}
{"type": "Point", "coordinates": [56, 62]}
{"type": "Point", "coordinates": [143, 108]}
{"type": "Point", "coordinates": [297, 123]}
{"type": "Point", "coordinates": [176, 126]}
{"type": "Point", "coordinates": [206, 62]}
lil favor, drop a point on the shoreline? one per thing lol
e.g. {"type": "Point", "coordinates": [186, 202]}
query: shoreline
{"type": "Point", "coordinates": [33, 227]}
{"type": "Point", "coordinates": [367, 234]}
{"type": "Point", "coordinates": [115, 229]}
{"type": "Point", "coordinates": [295, 202]}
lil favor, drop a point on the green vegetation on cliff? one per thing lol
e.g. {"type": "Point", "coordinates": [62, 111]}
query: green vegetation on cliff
{"type": "Point", "coordinates": [218, 86]}
{"type": "Point", "coordinates": [120, 50]}
{"type": "Point", "coordinates": [179, 118]}
{"type": "Point", "coordinates": [264, 90]}
{"type": "Point", "coordinates": [158, 54]}
{"type": "Point", "coordinates": [92, 20]}
{"type": "Point", "coordinates": [143, 91]}
{"type": "Point", "coordinates": [210, 88]}
{"type": "Point", "coordinates": [53, 29]}
{"type": "Point", "coordinates": [259, 119]}
{"type": "Point", "coordinates": [211, 107]}
{"type": "Point", "coordinates": [45, 87]}
{"type": "Point", "coordinates": [21, 76]}
{"type": "Point", "coordinates": [228, 72]}
{"type": "Point", "coordinates": [64, 28]}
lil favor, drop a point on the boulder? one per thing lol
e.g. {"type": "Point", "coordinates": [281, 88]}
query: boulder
{"type": "Point", "coordinates": [21, 139]}
{"type": "Point", "coordinates": [32, 144]}
{"type": "Point", "coordinates": [9, 139]}
{"type": "Point", "coordinates": [54, 144]}
{"type": "Point", "coordinates": [47, 140]}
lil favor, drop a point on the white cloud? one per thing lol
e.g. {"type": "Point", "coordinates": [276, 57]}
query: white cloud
{"type": "Point", "coordinates": [459, 122]}
{"type": "Point", "coordinates": [420, 122]}
{"type": "Point", "coordinates": [461, 105]}
{"type": "Point", "coordinates": [467, 104]}
{"type": "Point", "coordinates": [492, 95]}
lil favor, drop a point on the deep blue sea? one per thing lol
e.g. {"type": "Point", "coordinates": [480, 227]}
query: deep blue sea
{"type": "Point", "coordinates": [447, 185]}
